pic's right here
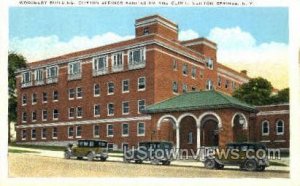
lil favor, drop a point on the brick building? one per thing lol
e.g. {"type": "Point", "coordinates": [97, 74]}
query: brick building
{"type": "Point", "coordinates": [103, 92]}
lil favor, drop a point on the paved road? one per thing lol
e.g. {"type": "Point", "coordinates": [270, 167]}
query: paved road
{"type": "Point", "coordinates": [32, 165]}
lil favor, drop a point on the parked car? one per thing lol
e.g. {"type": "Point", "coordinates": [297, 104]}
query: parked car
{"type": "Point", "coordinates": [92, 149]}
{"type": "Point", "coordinates": [154, 151]}
{"type": "Point", "coordinates": [248, 156]}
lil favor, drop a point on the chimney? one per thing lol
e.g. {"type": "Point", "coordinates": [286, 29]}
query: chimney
{"type": "Point", "coordinates": [244, 72]}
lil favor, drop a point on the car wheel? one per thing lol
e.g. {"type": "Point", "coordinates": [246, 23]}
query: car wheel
{"type": "Point", "coordinates": [103, 159]}
{"type": "Point", "coordinates": [79, 158]}
{"type": "Point", "coordinates": [250, 165]}
{"type": "Point", "coordinates": [210, 163]}
{"type": "Point", "coordinates": [219, 166]}
{"type": "Point", "coordinates": [166, 162]}
{"type": "Point", "coordinates": [67, 155]}
{"type": "Point", "coordinates": [261, 168]}
{"type": "Point", "coordinates": [90, 156]}
{"type": "Point", "coordinates": [138, 161]}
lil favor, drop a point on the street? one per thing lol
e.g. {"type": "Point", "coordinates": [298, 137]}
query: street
{"type": "Point", "coordinates": [33, 165]}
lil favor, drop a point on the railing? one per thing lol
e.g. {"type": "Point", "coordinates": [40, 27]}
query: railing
{"type": "Point", "coordinates": [101, 71]}
{"type": "Point", "coordinates": [136, 64]}
{"type": "Point", "coordinates": [74, 76]}
{"type": "Point", "coordinates": [117, 68]}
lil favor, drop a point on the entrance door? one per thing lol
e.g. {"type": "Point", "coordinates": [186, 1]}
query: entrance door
{"type": "Point", "coordinates": [210, 133]}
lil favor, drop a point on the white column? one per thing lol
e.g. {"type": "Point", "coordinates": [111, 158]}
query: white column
{"type": "Point", "coordinates": [198, 137]}
{"type": "Point", "coordinates": [177, 137]}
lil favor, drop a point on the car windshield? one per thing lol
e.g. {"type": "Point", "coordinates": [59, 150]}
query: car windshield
{"type": "Point", "coordinates": [100, 144]}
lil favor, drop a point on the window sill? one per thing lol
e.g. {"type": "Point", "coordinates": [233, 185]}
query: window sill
{"type": "Point", "coordinates": [70, 137]}
{"type": "Point", "coordinates": [110, 115]}
{"type": "Point", "coordinates": [125, 92]}
{"type": "Point", "coordinates": [55, 100]}
{"type": "Point", "coordinates": [265, 134]}
{"type": "Point", "coordinates": [33, 139]}
{"type": "Point", "coordinates": [127, 135]}
{"type": "Point", "coordinates": [43, 138]}
{"type": "Point", "coordinates": [110, 136]}
{"type": "Point", "coordinates": [23, 139]}
{"type": "Point", "coordinates": [140, 90]}
{"type": "Point", "coordinates": [96, 95]}
{"type": "Point", "coordinates": [96, 116]}
{"type": "Point", "coordinates": [54, 138]}
{"type": "Point", "coordinates": [78, 137]}
{"type": "Point", "coordinates": [141, 135]}
{"type": "Point", "coordinates": [109, 94]}
{"type": "Point", "coordinates": [97, 136]}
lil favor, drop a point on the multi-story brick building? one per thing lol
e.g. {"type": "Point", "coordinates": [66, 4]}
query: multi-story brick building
{"type": "Point", "coordinates": [102, 92]}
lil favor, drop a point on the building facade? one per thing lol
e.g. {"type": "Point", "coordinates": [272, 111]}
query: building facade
{"type": "Point", "coordinates": [103, 92]}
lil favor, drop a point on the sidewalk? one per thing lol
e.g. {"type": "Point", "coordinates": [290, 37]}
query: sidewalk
{"type": "Point", "coordinates": [118, 157]}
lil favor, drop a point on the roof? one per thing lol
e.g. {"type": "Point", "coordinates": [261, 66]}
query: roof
{"type": "Point", "coordinates": [199, 100]}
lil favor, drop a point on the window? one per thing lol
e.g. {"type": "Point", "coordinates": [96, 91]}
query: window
{"type": "Point", "coordinates": [226, 83]}
{"type": "Point", "coordinates": [193, 88]}
{"type": "Point", "coordinates": [52, 74]}
{"type": "Point", "coordinates": [96, 130]}
{"type": "Point", "coordinates": [125, 107]}
{"type": "Point", "coordinates": [74, 68]}
{"type": "Point", "coordinates": [26, 79]}
{"type": "Point", "coordinates": [23, 134]}
{"type": "Point", "coordinates": [125, 129]}
{"type": "Point", "coordinates": [33, 116]}
{"type": "Point", "coordinates": [110, 88]}
{"type": "Point", "coordinates": [55, 114]}
{"type": "Point", "coordinates": [79, 112]}
{"type": "Point", "coordinates": [24, 117]}
{"type": "Point", "coordinates": [34, 98]}
{"type": "Point", "coordinates": [146, 31]}
{"type": "Point", "coordinates": [184, 88]}
{"type": "Point", "coordinates": [175, 87]}
{"type": "Point", "coordinates": [141, 83]}
{"type": "Point", "coordinates": [33, 134]}
{"type": "Point", "coordinates": [79, 92]}
{"type": "Point", "coordinates": [96, 110]}
{"type": "Point", "coordinates": [96, 90]}
{"type": "Point", "coordinates": [279, 127]}
{"type": "Point", "coordinates": [38, 75]}
{"type": "Point", "coordinates": [100, 63]}
{"type": "Point", "coordinates": [209, 85]}
{"type": "Point", "coordinates": [201, 74]}
{"type": "Point", "coordinates": [78, 131]}
{"type": "Point", "coordinates": [125, 86]}
{"type": "Point", "coordinates": [175, 65]}
{"type": "Point", "coordinates": [71, 93]}
{"type": "Point", "coordinates": [117, 62]}
{"type": "Point", "coordinates": [219, 81]}
{"type": "Point", "coordinates": [55, 95]}
{"type": "Point", "coordinates": [233, 85]}
{"type": "Point", "coordinates": [45, 97]}
{"type": "Point", "coordinates": [136, 58]}
{"type": "Point", "coordinates": [141, 129]}
{"type": "Point", "coordinates": [44, 133]}
{"type": "Point", "coordinates": [110, 108]}
{"type": "Point", "coordinates": [185, 69]}
{"type": "Point", "coordinates": [194, 72]}
{"type": "Point", "coordinates": [141, 105]}
{"type": "Point", "coordinates": [54, 132]}
{"type": "Point", "coordinates": [110, 130]}
{"type": "Point", "coordinates": [71, 112]}
{"type": "Point", "coordinates": [70, 132]}
{"type": "Point", "coordinates": [209, 63]}
{"type": "Point", "coordinates": [190, 138]}
{"type": "Point", "coordinates": [24, 99]}
{"type": "Point", "coordinates": [265, 128]}
{"type": "Point", "coordinates": [45, 115]}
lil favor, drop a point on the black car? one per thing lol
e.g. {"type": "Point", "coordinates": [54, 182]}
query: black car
{"type": "Point", "coordinates": [248, 156]}
{"type": "Point", "coordinates": [154, 151]}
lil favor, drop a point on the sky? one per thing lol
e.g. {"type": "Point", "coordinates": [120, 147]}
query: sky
{"type": "Point", "coordinates": [255, 39]}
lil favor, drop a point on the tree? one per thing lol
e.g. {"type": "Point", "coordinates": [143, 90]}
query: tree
{"type": "Point", "coordinates": [282, 96]}
{"type": "Point", "coordinates": [256, 92]}
{"type": "Point", "coordinates": [15, 62]}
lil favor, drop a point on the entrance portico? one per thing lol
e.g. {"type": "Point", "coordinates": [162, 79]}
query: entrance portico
{"type": "Point", "coordinates": [197, 119]}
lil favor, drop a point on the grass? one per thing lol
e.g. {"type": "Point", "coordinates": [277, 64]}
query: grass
{"type": "Point", "coordinates": [43, 147]}
{"type": "Point", "coordinates": [20, 151]}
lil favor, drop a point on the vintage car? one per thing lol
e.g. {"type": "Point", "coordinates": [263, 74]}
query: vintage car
{"type": "Point", "coordinates": [248, 156]}
{"type": "Point", "coordinates": [92, 149]}
{"type": "Point", "coordinates": [154, 151]}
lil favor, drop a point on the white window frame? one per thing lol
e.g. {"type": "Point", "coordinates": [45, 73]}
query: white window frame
{"type": "Point", "coordinates": [277, 122]}
{"type": "Point", "coordinates": [34, 120]}
{"type": "Point", "coordinates": [96, 64]}
{"type": "Point", "coordinates": [69, 112]}
{"type": "Point", "coordinates": [97, 95]}
{"type": "Point", "coordinates": [110, 93]}
{"type": "Point", "coordinates": [125, 113]}
{"type": "Point", "coordinates": [32, 99]}
{"type": "Point", "coordinates": [77, 88]}
{"type": "Point", "coordinates": [138, 133]}
{"type": "Point", "coordinates": [209, 63]}
{"type": "Point", "coordinates": [125, 91]}
{"type": "Point", "coordinates": [68, 131]}
{"type": "Point", "coordinates": [142, 58]}
{"type": "Point", "coordinates": [76, 112]}
{"type": "Point", "coordinates": [33, 138]}
{"type": "Point", "coordinates": [24, 121]}
{"type": "Point", "coordinates": [194, 72]}
{"type": "Point", "coordinates": [44, 96]}
{"type": "Point", "coordinates": [29, 82]}
{"type": "Point", "coordinates": [71, 70]}
{"type": "Point", "coordinates": [187, 69]}
{"type": "Point", "coordinates": [42, 133]}
{"type": "Point", "coordinates": [55, 100]}
{"type": "Point", "coordinates": [138, 83]}
{"type": "Point", "coordinates": [23, 133]}
{"type": "Point", "coordinates": [76, 131]}
{"type": "Point", "coordinates": [139, 105]}
{"type": "Point", "coordinates": [97, 115]}
{"type": "Point", "coordinates": [38, 74]}
{"type": "Point", "coordinates": [115, 62]}
{"type": "Point", "coordinates": [54, 119]}
{"type": "Point", "coordinates": [94, 131]}
{"type": "Point", "coordinates": [48, 75]}
{"type": "Point", "coordinates": [69, 93]}
{"type": "Point", "coordinates": [125, 135]}
{"type": "Point", "coordinates": [107, 133]}
{"type": "Point", "coordinates": [209, 85]}
{"type": "Point", "coordinates": [54, 137]}
{"type": "Point", "coordinates": [108, 114]}
{"type": "Point", "coordinates": [44, 119]}
{"type": "Point", "coordinates": [24, 96]}
{"type": "Point", "coordinates": [262, 128]}
{"type": "Point", "coordinates": [173, 84]}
